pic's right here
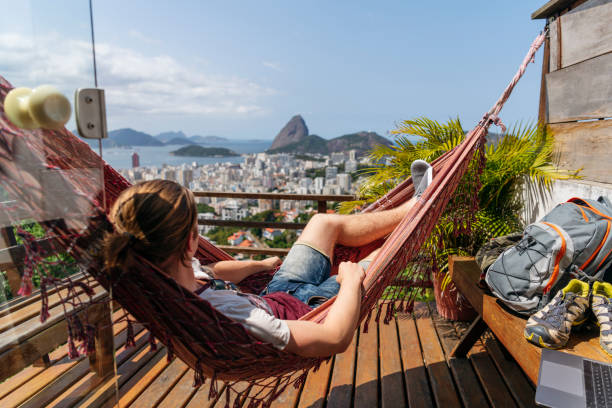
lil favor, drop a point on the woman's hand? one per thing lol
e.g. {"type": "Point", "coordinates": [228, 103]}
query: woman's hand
{"type": "Point", "coordinates": [334, 335]}
{"type": "Point", "coordinates": [350, 272]}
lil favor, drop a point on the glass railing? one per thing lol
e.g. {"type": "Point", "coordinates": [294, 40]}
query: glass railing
{"type": "Point", "coordinates": [50, 199]}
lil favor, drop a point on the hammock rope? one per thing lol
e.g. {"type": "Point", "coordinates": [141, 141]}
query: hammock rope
{"type": "Point", "coordinates": [210, 343]}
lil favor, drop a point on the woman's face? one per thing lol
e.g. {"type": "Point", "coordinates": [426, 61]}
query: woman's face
{"type": "Point", "coordinates": [192, 248]}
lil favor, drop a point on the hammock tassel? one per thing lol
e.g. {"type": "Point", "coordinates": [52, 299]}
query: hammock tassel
{"type": "Point", "coordinates": [378, 312]}
{"type": "Point", "coordinates": [227, 396]}
{"type": "Point", "coordinates": [72, 350]}
{"type": "Point", "coordinates": [152, 343]}
{"type": "Point", "coordinates": [169, 347]}
{"type": "Point", "coordinates": [44, 302]}
{"type": "Point", "coordinates": [129, 341]}
{"type": "Point", "coordinates": [78, 331]}
{"type": "Point", "coordinates": [253, 404]}
{"type": "Point", "coordinates": [366, 322]}
{"type": "Point", "coordinates": [390, 312]}
{"type": "Point", "coordinates": [198, 375]}
{"type": "Point", "coordinates": [212, 391]}
{"type": "Point", "coordinates": [300, 380]}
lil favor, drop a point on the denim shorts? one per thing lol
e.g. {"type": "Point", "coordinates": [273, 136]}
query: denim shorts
{"type": "Point", "coordinates": [305, 274]}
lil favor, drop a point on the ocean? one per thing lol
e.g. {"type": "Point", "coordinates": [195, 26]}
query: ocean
{"type": "Point", "coordinates": [121, 157]}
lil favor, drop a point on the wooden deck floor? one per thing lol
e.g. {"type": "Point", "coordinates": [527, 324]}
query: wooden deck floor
{"type": "Point", "coordinates": [401, 364]}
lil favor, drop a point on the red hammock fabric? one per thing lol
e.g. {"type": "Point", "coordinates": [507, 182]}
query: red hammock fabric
{"type": "Point", "coordinates": [213, 345]}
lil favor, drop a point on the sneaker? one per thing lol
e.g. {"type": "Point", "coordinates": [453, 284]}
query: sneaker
{"type": "Point", "coordinates": [601, 304]}
{"type": "Point", "coordinates": [551, 326]}
{"type": "Point", "coordinates": [422, 174]}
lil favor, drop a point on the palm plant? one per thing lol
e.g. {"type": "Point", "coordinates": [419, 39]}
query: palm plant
{"type": "Point", "coordinates": [524, 153]}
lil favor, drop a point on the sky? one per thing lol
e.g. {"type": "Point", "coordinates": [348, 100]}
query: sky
{"type": "Point", "coordinates": [241, 69]}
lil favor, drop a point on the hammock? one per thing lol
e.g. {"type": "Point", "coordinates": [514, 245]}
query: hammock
{"type": "Point", "coordinates": [213, 345]}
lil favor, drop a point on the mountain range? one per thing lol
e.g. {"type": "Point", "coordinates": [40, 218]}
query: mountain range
{"type": "Point", "coordinates": [127, 137]}
{"type": "Point", "coordinates": [294, 138]}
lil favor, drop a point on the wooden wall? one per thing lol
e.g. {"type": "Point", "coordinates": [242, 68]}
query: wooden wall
{"type": "Point", "coordinates": [579, 87]}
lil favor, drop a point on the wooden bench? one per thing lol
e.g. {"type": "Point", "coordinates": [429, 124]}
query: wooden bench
{"type": "Point", "coordinates": [507, 327]}
{"type": "Point", "coordinates": [24, 340]}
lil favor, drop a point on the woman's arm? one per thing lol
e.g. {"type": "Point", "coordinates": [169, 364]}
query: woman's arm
{"type": "Point", "coordinates": [236, 271]}
{"type": "Point", "coordinates": [334, 335]}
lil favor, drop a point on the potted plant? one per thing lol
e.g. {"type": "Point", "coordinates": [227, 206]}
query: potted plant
{"type": "Point", "coordinates": [488, 201]}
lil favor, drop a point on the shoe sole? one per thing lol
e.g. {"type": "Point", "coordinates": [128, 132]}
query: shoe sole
{"type": "Point", "coordinates": [537, 340]}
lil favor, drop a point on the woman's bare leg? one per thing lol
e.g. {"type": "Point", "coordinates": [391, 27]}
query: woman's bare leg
{"type": "Point", "coordinates": [324, 231]}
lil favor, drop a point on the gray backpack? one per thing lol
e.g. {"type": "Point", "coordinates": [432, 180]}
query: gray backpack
{"type": "Point", "coordinates": [572, 241]}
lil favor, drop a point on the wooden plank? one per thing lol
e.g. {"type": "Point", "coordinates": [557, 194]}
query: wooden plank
{"type": "Point", "coordinates": [314, 393]}
{"type": "Point", "coordinates": [545, 70]}
{"type": "Point", "coordinates": [55, 384]}
{"type": "Point", "coordinates": [142, 365]}
{"type": "Point", "coordinates": [465, 273]}
{"type": "Point", "coordinates": [366, 375]}
{"type": "Point", "coordinates": [471, 335]}
{"type": "Point", "coordinates": [555, 47]}
{"type": "Point", "coordinates": [587, 33]}
{"type": "Point", "coordinates": [583, 145]}
{"type": "Point", "coordinates": [494, 387]}
{"type": "Point", "coordinates": [22, 350]}
{"type": "Point", "coordinates": [509, 328]}
{"type": "Point", "coordinates": [580, 91]}
{"type": "Point", "coordinates": [550, 8]}
{"type": "Point", "coordinates": [102, 360]}
{"type": "Point", "coordinates": [58, 356]}
{"type": "Point", "coordinates": [181, 393]}
{"type": "Point", "coordinates": [519, 387]}
{"type": "Point", "coordinates": [32, 326]}
{"type": "Point", "coordinates": [440, 378]}
{"type": "Point", "coordinates": [162, 385]}
{"type": "Point", "coordinates": [289, 398]}
{"type": "Point", "coordinates": [469, 389]}
{"type": "Point", "coordinates": [391, 381]}
{"type": "Point", "coordinates": [200, 397]}
{"type": "Point", "coordinates": [28, 311]}
{"type": "Point", "coordinates": [343, 376]}
{"type": "Point", "coordinates": [415, 375]}
{"type": "Point", "coordinates": [132, 388]}
{"type": "Point", "coordinates": [241, 387]}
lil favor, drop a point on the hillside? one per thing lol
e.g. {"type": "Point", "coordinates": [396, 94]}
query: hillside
{"type": "Point", "coordinates": [362, 142]}
{"type": "Point", "coordinates": [167, 136]}
{"type": "Point", "coordinates": [309, 144]}
{"type": "Point", "coordinates": [179, 141]}
{"type": "Point", "coordinates": [294, 138]}
{"type": "Point", "coordinates": [294, 131]}
{"type": "Point", "coordinates": [199, 151]}
{"type": "Point", "coordinates": [131, 137]}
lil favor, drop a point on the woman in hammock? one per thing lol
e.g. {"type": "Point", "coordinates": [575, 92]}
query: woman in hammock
{"type": "Point", "coordinates": [158, 220]}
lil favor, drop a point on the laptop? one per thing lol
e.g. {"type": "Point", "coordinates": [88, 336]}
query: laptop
{"type": "Point", "coordinates": [570, 381]}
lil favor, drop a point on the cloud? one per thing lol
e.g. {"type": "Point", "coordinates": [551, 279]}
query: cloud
{"type": "Point", "coordinates": [134, 83]}
{"type": "Point", "coordinates": [273, 65]}
{"type": "Point", "coordinates": [141, 37]}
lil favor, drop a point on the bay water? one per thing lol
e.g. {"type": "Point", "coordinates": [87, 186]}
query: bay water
{"type": "Point", "coordinates": [121, 157]}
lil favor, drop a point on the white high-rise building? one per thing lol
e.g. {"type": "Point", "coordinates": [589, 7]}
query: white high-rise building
{"type": "Point", "coordinates": [331, 172]}
{"type": "Point", "coordinates": [344, 182]}
{"type": "Point", "coordinates": [319, 183]}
